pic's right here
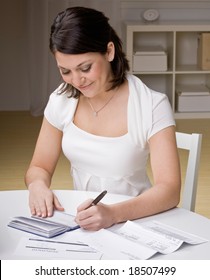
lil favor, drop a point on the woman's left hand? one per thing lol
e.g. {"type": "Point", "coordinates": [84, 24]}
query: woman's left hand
{"type": "Point", "coordinates": [95, 217]}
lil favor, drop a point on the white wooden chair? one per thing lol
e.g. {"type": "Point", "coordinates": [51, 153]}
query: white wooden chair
{"type": "Point", "coordinates": [192, 143]}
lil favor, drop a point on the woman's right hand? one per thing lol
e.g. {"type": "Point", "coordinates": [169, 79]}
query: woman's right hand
{"type": "Point", "coordinates": [42, 201]}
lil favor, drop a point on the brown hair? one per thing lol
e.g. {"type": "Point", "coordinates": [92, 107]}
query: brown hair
{"type": "Point", "coordinates": [79, 30]}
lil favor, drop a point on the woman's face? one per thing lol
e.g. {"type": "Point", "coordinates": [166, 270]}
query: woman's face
{"type": "Point", "coordinates": [90, 73]}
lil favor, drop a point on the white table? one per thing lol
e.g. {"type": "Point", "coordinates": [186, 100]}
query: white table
{"type": "Point", "coordinates": [15, 203]}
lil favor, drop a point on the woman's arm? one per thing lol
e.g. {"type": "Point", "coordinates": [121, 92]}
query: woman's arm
{"type": "Point", "coordinates": [39, 174]}
{"type": "Point", "coordinates": [164, 194]}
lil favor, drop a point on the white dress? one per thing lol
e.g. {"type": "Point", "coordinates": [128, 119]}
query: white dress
{"type": "Point", "coordinates": [117, 164]}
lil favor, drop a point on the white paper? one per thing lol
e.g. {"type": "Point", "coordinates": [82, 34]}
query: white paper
{"type": "Point", "coordinates": [117, 247]}
{"type": "Point", "coordinates": [160, 237]}
{"type": "Point", "coordinates": [66, 246]}
{"type": "Point", "coordinates": [131, 241]}
{"type": "Point", "coordinates": [173, 232]}
{"type": "Point", "coordinates": [140, 241]}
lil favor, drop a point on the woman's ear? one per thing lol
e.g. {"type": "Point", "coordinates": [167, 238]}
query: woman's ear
{"type": "Point", "coordinates": [110, 51]}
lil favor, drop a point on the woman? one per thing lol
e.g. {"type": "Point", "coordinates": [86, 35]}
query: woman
{"type": "Point", "coordinates": [107, 123]}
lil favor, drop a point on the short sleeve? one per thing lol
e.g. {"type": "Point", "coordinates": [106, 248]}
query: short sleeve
{"type": "Point", "coordinates": [162, 115]}
{"type": "Point", "coordinates": [60, 110]}
{"type": "Point", "coordinates": [148, 112]}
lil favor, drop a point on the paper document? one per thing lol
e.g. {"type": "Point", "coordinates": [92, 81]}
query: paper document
{"type": "Point", "coordinates": [140, 241]}
{"type": "Point", "coordinates": [65, 246]}
{"type": "Point", "coordinates": [117, 247]}
{"type": "Point", "coordinates": [172, 232]}
{"type": "Point", "coordinates": [160, 237]}
{"type": "Point", "coordinates": [130, 242]}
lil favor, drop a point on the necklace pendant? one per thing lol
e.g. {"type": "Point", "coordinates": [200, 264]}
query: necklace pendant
{"type": "Point", "coordinates": [95, 113]}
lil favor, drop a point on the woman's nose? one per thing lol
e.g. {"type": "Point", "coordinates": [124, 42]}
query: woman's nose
{"type": "Point", "coordinates": [77, 80]}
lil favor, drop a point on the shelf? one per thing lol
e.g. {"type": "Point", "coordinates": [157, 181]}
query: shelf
{"type": "Point", "coordinates": [180, 42]}
{"type": "Point", "coordinates": [192, 115]}
{"type": "Point", "coordinates": [192, 69]}
{"type": "Point", "coordinates": [152, 72]}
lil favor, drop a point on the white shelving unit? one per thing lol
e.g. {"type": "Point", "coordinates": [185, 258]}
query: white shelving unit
{"type": "Point", "coordinates": [180, 41]}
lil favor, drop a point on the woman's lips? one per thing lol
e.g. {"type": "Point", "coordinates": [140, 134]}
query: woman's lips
{"type": "Point", "coordinates": [84, 87]}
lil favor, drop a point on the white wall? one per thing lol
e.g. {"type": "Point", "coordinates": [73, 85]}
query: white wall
{"type": "Point", "coordinates": [14, 93]}
{"type": "Point", "coordinates": [168, 9]}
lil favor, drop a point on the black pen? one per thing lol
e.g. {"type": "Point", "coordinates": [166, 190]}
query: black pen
{"type": "Point", "coordinates": [97, 199]}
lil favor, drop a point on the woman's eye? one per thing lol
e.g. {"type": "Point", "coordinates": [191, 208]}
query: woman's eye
{"type": "Point", "coordinates": [86, 68]}
{"type": "Point", "coordinates": [65, 72]}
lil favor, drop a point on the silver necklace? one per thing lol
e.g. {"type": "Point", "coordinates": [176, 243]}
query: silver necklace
{"type": "Point", "coordinates": [95, 112]}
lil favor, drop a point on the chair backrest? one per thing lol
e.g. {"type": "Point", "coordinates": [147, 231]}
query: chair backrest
{"type": "Point", "coordinates": [192, 143]}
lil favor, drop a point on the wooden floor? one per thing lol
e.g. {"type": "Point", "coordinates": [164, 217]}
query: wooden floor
{"type": "Point", "coordinates": [19, 131]}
